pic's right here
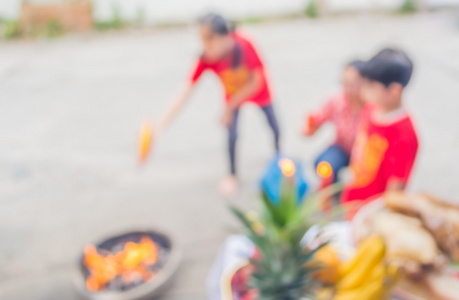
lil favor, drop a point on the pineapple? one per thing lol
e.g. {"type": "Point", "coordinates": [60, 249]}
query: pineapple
{"type": "Point", "coordinates": [282, 272]}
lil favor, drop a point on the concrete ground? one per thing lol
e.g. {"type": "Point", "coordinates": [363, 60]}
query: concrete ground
{"type": "Point", "coordinates": [71, 109]}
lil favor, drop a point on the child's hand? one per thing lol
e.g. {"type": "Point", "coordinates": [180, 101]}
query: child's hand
{"type": "Point", "coordinates": [227, 118]}
{"type": "Point", "coordinates": [309, 128]}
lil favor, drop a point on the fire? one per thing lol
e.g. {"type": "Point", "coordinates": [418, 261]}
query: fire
{"type": "Point", "coordinates": [287, 166]}
{"type": "Point", "coordinates": [146, 134]}
{"type": "Point", "coordinates": [131, 263]}
{"type": "Point", "coordinates": [324, 170]}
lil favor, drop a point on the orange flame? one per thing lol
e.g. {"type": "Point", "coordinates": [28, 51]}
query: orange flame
{"type": "Point", "coordinates": [287, 166]}
{"type": "Point", "coordinates": [146, 136]}
{"type": "Point", "coordinates": [324, 170]}
{"type": "Point", "coordinates": [131, 263]}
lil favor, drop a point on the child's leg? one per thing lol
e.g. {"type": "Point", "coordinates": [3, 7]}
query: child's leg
{"type": "Point", "coordinates": [229, 185]}
{"type": "Point", "coordinates": [336, 157]}
{"type": "Point", "coordinates": [272, 120]}
{"type": "Point", "coordinates": [232, 138]}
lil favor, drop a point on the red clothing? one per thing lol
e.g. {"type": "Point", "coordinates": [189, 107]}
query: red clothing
{"type": "Point", "coordinates": [345, 118]}
{"type": "Point", "coordinates": [382, 151]}
{"type": "Point", "coordinates": [234, 78]}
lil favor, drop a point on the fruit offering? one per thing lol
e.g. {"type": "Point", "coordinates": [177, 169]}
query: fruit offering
{"type": "Point", "coordinates": [366, 276]}
{"type": "Point", "coordinates": [328, 261]}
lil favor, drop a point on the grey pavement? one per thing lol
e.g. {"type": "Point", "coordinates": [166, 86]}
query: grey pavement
{"type": "Point", "coordinates": [71, 109]}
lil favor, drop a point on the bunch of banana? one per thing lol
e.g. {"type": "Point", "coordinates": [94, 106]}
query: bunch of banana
{"type": "Point", "coordinates": [366, 276]}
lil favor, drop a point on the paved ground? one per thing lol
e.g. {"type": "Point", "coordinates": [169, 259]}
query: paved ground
{"type": "Point", "coordinates": [71, 109]}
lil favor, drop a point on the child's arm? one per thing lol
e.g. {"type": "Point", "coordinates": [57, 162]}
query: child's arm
{"type": "Point", "coordinates": [244, 92]}
{"type": "Point", "coordinates": [315, 120]}
{"type": "Point", "coordinates": [181, 98]}
{"type": "Point", "coordinates": [175, 107]}
{"type": "Point", "coordinates": [309, 127]}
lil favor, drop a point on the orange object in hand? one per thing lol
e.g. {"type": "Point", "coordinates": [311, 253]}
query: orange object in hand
{"type": "Point", "coordinates": [145, 140]}
{"type": "Point", "coordinates": [311, 123]}
{"type": "Point", "coordinates": [310, 126]}
{"type": "Point", "coordinates": [324, 170]}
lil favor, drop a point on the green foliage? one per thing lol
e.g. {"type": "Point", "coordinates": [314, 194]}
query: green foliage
{"type": "Point", "coordinates": [10, 29]}
{"type": "Point", "coordinates": [140, 19]}
{"type": "Point", "coordinates": [116, 21]}
{"type": "Point", "coordinates": [312, 9]}
{"type": "Point", "coordinates": [408, 7]}
{"type": "Point", "coordinates": [252, 20]}
{"type": "Point", "coordinates": [282, 271]}
{"type": "Point", "coordinates": [54, 29]}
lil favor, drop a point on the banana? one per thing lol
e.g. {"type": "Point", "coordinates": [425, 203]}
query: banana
{"type": "Point", "coordinates": [347, 295]}
{"type": "Point", "coordinates": [392, 275]}
{"type": "Point", "coordinates": [363, 247]}
{"type": "Point", "coordinates": [373, 291]}
{"type": "Point", "coordinates": [366, 261]}
{"type": "Point", "coordinates": [378, 274]}
{"type": "Point", "coordinates": [366, 276]}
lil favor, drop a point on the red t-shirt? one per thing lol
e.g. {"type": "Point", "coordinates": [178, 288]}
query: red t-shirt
{"type": "Point", "coordinates": [381, 151]}
{"type": "Point", "coordinates": [234, 78]}
{"type": "Point", "coordinates": [346, 119]}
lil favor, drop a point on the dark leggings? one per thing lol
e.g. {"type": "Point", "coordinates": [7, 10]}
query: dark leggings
{"type": "Point", "coordinates": [272, 121]}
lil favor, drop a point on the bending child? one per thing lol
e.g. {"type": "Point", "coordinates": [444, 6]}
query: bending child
{"type": "Point", "coordinates": [233, 58]}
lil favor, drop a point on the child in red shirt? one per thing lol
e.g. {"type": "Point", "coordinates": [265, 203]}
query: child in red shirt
{"type": "Point", "coordinates": [233, 58]}
{"type": "Point", "coordinates": [386, 145]}
{"type": "Point", "coordinates": [343, 110]}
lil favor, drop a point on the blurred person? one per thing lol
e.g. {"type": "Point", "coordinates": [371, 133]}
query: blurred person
{"type": "Point", "coordinates": [233, 58]}
{"type": "Point", "coordinates": [386, 145]}
{"type": "Point", "coordinates": [343, 110]}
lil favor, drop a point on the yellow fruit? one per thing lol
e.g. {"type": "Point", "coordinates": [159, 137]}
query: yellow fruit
{"type": "Point", "coordinates": [367, 260]}
{"type": "Point", "coordinates": [363, 247]}
{"type": "Point", "coordinates": [392, 275]}
{"type": "Point", "coordinates": [373, 291]}
{"type": "Point", "coordinates": [347, 295]}
{"type": "Point", "coordinates": [328, 262]}
{"type": "Point", "coordinates": [378, 273]}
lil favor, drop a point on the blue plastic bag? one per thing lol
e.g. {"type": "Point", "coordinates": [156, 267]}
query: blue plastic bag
{"type": "Point", "coordinates": [271, 181]}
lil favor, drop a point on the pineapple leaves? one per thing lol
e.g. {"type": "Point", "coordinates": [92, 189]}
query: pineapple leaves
{"type": "Point", "coordinates": [271, 211]}
{"type": "Point", "coordinates": [288, 202]}
{"type": "Point", "coordinates": [284, 268]}
{"type": "Point", "coordinates": [252, 235]}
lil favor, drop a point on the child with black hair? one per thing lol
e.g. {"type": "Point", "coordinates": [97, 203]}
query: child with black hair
{"type": "Point", "coordinates": [343, 110]}
{"type": "Point", "coordinates": [386, 145]}
{"type": "Point", "coordinates": [233, 58]}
